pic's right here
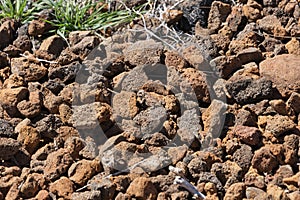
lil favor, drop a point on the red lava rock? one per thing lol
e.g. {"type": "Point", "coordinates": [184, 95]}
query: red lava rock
{"type": "Point", "coordinates": [282, 70]}
{"type": "Point", "coordinates": [30, 138]}
{"type": "Point", "coordinates": [294, 102]}
{"type": "Point", "coordinates": [51, 101]}
{"type": "Point", "coordinates": [90, 115]}
{"type": "Point", "coordinates": [43, 195]}
{"type": "Point", "coordinates": [236, 18]}
{"type": "Point", "coordinates": [173, 59]}
{"type": "Point", "coordinates": [7, 30]}
{"type": "Point", "coordinates": [125, 105]}
{"type": "Point", "coordinates": [252, 10]}
{"type": "Point", "coordinates": [293, 46]}
{"type": "Point", "coordinates": [33, 183]}
{"type": "Point", "coordinates": [228, 172]}
{"type": "Point", "coordinates": [255, 193]}
{"type": "Point", "coordinates": [276, 125]}
{"type": "Point", "coordinates": [57, 163]}
{"type": "Point", "coordinates": [85, 46]}
{"type": "Point", "coordinates": [9, 98]}
{"type": "Point", "coordinates": [252, 178]}
{"type": "Point", "coordinates": [32, 107]}
{"type": "Point", "coordinates": [38, 27]}
{"type": "Point", "coordinates": [74, 145]}
{"type": "Point", "coordinates": [77, 36]}
{"type": "Point", "coordinates": [276, 192]}
{"type": "Point", "coordinates": [29, 70]}
{"type": "Point", "coordinates": [197, 80]}
{"type": "Point", "coordinates": [225, 65]}
{"type": "Point", "coordinates": [83, 170]}
{"type": "Point", "coordinates": [263, 160]}
{"type": "Point", "coordinates": [193, 56]}
{"type": "Point", "coordinates": [144, 52]}
{"type": "Point", "coordinates": [9, 147]}
{"type": "Point", "coordinates": [52, 45]}
{"type": "Point", "coordinates": [236, 191]}
{"type": "Point", "coordinates": [14, 81]}
{"type": "Point", "coordinates": [62, 187]}
{"type": "Point", "coordinates": [217, 14]}
{"type": "Point", "coordinates": [249, 135]}
{"type": "Point", "coordinates": [142, 188]}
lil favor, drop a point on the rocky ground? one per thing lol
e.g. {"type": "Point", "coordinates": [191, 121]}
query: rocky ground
{"type": "Point", "coordinates": [123, 119]}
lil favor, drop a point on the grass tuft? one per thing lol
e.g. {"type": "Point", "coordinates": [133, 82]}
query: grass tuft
{"type": "Point", "coordinates": [69, 15]}
{"type": "Point", "coordinates": [19, 10]}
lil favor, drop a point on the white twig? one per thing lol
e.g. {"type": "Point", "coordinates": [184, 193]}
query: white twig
{"type": "Point", "coordinates": [38, 59]}
{"type": "Point", "coordinates": [188, 186]}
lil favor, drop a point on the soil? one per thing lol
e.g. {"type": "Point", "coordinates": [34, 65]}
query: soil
{"type": "Point", "coordinates": [122, 117]}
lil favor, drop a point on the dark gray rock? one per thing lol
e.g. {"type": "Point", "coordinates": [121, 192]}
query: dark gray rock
{"type": "Point", "coordinates": [249, 91]}
{"type": "Point", "coordinates": [6, 129]}
{"type": "Point", "coordinates": [243, 157]}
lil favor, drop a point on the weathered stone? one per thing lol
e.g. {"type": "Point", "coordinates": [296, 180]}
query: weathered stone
{"type": "Point", "coordinates": [225, 65]}
{"type": "Point", "coordinates": [125, 105]}
{"type": "Point", "coordinates": [243, 157]}
{"type": "Point", "coordinates": [249, 91]}
{"type": "Point", "coordinates": [255, 193]}
{"type": "Point", "coordinates": [263, 160]}
{"type": "Point", "coordinates": [87, 195]}
{"type": "Point", "coordinates": [90, 115]}
{"type": "Point", "coordinates": [252, 10]}
{"type": "Point", "coordinates": [6, 129]}
{"type": "Point", "coordinates": [9, 147]}
{"type": "Point", "coordinates": [9, 98]}
{"type": "Point", "coordinates": [294, 102]}
{"type": "Point", "coordinates": [236, 191]}
{"type": "Point", "coordinates": [276, 125]}
{"type": "Point", "coordinates": [28, 70]}
{"type": "Point", "coordinates": [62, 187]}
{"type": "Point", "coordinates": [173, 59]}
{"type": "Point", "coordinates": [144, 52]}
{"type": "Point", "coordinates": [33, 183]}
{"type": "Point", "coordinates": [142, 188]}
{"type": "Point", "coordinates": [81, 171]}
{"type": "Point", "coordinates": [282, 70]}
{"type": "Point", "coordinates": [7, 30]}
{"type": "Point", "coordinates": [53, 46]}
{"type": "Point", "coordinates": [249, 135]}
{"type": "Point", "coordinates": [57, 163]}
{"type": "Point", "coordinates": [30, 138]}
{"type": "Point", "coordinates": [217, 14]}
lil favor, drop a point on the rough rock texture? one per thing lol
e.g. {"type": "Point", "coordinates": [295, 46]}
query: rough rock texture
{"type": "Point", "coordinates": [283, 71]}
